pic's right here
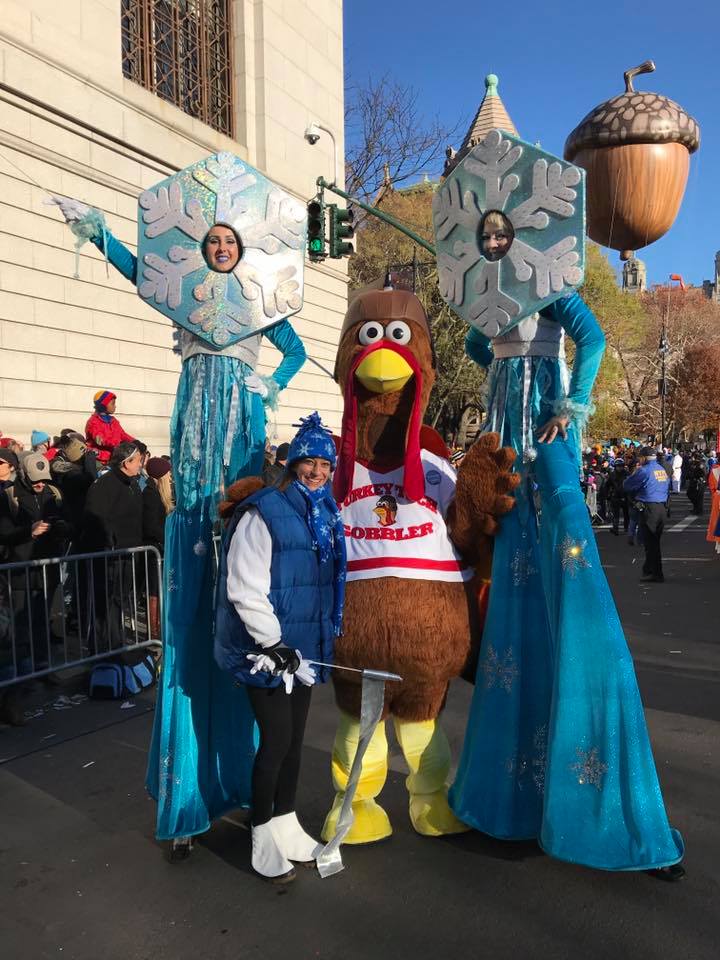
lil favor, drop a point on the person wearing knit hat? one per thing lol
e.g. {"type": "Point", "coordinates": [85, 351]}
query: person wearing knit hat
{"type": "Point", "coordinates": [103, 430]}
{"type": "Point", "coordinates": [276, 623]}
{"type": "Point", "coordinates": [38, 439]}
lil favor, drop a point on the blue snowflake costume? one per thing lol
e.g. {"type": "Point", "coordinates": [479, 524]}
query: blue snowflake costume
{"type": "Point", "coordinates": [556, 746]}
{"type": "Point", "coordinates": [203, 745]}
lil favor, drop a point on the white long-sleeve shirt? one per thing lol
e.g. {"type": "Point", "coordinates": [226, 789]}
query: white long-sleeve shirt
{"type": "Point", "coordinates": [248, 578]}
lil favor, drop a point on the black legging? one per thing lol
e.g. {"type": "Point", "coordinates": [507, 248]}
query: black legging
{"type": "Point", "coordinates": [281, 718]}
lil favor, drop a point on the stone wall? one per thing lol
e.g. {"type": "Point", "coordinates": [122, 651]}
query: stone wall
{"type": "Point", "coordinates": [63, 338]}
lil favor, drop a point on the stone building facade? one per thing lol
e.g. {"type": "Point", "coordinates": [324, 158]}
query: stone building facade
{"type": "Point", "coordinates": [74, 122]}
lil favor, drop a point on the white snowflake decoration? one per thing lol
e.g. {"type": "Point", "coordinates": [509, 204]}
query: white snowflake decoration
{"type": "Point", "coordinates": [572, 553]}
{"type": "Point", "coordinates": [544, 200]}
{"type": "Point", "coordinates": [501, 670]}
{"type": "Point", "coordinates": [267, 283]}
{"type": "Point", "coordinates": [589, 768]}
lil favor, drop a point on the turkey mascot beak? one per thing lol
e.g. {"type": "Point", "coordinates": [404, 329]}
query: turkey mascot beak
{"type": "Point", "coordinates": [383, 369]}
{"type": "Point", "coordinates": [386, 367]}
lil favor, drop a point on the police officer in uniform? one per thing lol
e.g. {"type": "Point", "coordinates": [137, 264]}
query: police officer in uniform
{"type": "Point", "coordinates": [649, 486]}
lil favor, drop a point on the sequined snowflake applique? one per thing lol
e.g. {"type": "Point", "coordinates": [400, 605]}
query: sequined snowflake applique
{"type": "Point", "coordinates": [503, 671]}
{"type": "Point", "coordinates": [573, 556]}
{"type": "Point", "coordinates": [589, 768]}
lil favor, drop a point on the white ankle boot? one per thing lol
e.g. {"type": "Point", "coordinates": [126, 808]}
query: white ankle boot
{"type": "Point", "coordinates": [267, 860]}
{"type": "Point", "coordinates": [292, 840]}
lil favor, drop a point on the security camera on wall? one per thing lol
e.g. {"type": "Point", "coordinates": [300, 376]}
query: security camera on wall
{"type": "Point", "coordinates": [312, 134]}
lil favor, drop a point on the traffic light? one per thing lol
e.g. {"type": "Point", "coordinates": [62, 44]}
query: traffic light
{"type": "Point", "coordinates": [316, 230]}
{"type": "Point", "coordinates": [341, 229]}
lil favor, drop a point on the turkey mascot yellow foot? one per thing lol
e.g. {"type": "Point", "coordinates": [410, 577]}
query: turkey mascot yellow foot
{"type": "Point", "coordinates": [419, 544]}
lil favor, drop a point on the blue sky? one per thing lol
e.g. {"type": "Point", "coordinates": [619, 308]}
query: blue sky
{"type": "Point", "coordinates": [556, 60]}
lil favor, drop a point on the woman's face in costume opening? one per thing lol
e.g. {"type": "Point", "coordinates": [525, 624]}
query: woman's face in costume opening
{"type": "Point", "coordinates": [496, 235]}
{"type": "Point", "coordinates": [221, 248]}
{"type": "Point", "coordinates": [110, 406]}
{"type": "Point", "coordinates": [313, 472]}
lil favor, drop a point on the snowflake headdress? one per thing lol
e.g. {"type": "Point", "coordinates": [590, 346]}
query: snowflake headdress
{"type": "Point", "coordinates": [543, 197]}
{"type": "Point", "coordinates": [174, 217]}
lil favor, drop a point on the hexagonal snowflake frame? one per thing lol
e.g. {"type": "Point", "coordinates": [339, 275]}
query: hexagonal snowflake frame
{"type": "Point", "coordinates": [544, 199]}
{"type": "Point", "coordinates": [265, 287]}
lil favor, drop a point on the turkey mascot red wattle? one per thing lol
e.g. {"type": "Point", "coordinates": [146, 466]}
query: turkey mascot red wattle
{"type": "Point", "coordinates": [419, 545]}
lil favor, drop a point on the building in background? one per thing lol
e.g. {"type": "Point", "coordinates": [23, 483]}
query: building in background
{"type": "Point", "coordinates": [711, 288]}
{"type": "Point", "coordinates": [100, 99]}
{"type": "Point", "coordinates": [634, 275]}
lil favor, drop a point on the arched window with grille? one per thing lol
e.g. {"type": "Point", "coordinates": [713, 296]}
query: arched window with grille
{"type": "Point", "coordinates": [181, 51]}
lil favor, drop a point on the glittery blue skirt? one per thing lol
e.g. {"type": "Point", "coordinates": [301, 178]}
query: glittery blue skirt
{"type": "Point", "coordinates": [203, 741]}
{"type": "Point", "coordinates": [557, 746]}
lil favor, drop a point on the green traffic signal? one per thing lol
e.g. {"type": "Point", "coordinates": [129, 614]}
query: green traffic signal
{"type": "Point", "coordinates": [316, 230]}
{"type": "Point", "coordinates": [341, 229]}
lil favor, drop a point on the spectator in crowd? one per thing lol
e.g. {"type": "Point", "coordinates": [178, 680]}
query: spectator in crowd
{"type": "Point", "coordinates": [40, 442]}
{"type": "Point", "coordinates": [157, 504]}
{"type": "Point", "coordinates": [74, 470]}
{"type": "Point", "coordinates": [9, 443]}
{"type": "Point", "coordinates": [142, 478]}
{"type": "Point", "coordinates": [696, 483]}
{"type": "Point", "coordinates": [32, 527]}
{"type": "Point", "coordinates": [648, 485]}
{"type": "Point", "coordinates": [113, 521]}
{"type": "Point", "coordinates": [103, 431]}
{"type": "Point", "coordinates": [11, 707]}
{"type": "Point", "coordinates": [617, 496]}
{"type": "Point", "coordinates": [274, 472]}
{"type": "Point", "coordinates": [113, 508]}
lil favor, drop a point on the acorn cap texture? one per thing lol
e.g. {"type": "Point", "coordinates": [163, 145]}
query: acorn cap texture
{"type": "Point", "coordinates": [634, 117]}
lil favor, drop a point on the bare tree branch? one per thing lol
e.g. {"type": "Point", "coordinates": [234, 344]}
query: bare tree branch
{"type": "Point", "coordinates": [384, 124]}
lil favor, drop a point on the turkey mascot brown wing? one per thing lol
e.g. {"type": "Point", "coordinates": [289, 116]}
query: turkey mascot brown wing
{"type": "Point", "coordinates": [418, 538]}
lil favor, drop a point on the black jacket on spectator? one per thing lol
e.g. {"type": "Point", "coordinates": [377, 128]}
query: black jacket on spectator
{"type": "Point", "coordinates": [20, 508]}
{"type": "Point", "coordinates": [74, 480]}
{"type": "Point", "coordinates": [113, 514]}
{"type": "Point", "coordinates": [153, 517]}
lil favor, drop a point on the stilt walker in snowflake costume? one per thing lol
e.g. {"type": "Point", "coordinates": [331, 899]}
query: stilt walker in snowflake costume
{"type": "Point", "coordinates": [220, 252]}
{"type": "Point", "coordinates": [556, 746]}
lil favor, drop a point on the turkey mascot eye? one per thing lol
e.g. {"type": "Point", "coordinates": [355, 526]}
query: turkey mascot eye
{"type": "Point", "coordinates": [398, 332]}
{"type": "Point", "coordinates": [370, 333]}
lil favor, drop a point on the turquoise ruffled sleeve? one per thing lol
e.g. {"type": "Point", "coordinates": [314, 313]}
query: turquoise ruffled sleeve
{"type": "Point", "coordinates": [477, 347]}
{"type": "Point", "coordinates": [118, 254]}
{"type": "Point", "coordinates": [580, 324]}
{"type": "Point", "coordinates": [291, 347]}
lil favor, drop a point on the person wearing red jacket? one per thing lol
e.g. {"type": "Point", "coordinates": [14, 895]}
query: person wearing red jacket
{"type": "Point", "coordinates": [103, 431]}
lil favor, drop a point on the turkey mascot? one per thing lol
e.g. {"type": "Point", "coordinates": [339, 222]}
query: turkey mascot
{"type": "Point", "coordinates": [419, 544]}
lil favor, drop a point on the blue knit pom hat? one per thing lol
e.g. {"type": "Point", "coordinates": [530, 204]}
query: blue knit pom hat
{"type": "Point", "coordinates": [312, 440]}
{"type": "Point", "coordinates": [39, 436]}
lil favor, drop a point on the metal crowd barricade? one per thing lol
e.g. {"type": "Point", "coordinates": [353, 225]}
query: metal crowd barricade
{"type": "Point", "coordinates": [76, 609]}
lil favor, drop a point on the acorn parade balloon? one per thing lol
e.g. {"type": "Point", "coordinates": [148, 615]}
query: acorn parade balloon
{"type": "Point", "coordinates": [636, 150]}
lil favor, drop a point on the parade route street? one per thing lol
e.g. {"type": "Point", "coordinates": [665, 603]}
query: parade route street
{"type": "Point", "coordinates": [82, 877]}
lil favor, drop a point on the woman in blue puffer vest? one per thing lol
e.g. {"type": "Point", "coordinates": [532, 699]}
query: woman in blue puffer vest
{"type": "Point", "coordinates": [281, 587]}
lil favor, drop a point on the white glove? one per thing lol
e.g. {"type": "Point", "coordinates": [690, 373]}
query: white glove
{"type": "Point", "coordinates": [72, 210]}
{"type": "Point", "coordinates": [255, 384]}
{"type": "Point", "coordinates": [305, 673]}
{"type": "Point", "coordinates": [263, 663]}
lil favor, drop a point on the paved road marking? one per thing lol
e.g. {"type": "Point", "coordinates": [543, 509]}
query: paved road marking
{"type": "Point", "coordinates": [684, 523]}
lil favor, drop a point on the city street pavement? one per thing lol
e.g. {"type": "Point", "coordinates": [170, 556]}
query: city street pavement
{"type": "Point", "coordinates": [82, 878]}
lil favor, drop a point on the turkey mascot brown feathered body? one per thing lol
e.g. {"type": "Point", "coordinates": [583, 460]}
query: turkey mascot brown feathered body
{"type": "Point", "coordinates": [419, 542]}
